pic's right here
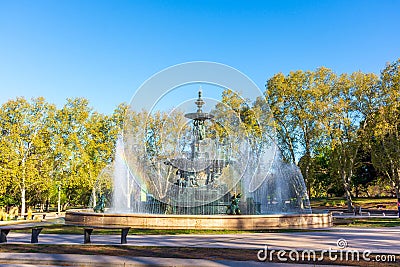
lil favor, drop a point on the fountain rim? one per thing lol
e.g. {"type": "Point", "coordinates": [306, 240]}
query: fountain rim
{"type": "Point", "coordinates": [222, 216]}
{"type": "Point", "coordinates": [200, 222]}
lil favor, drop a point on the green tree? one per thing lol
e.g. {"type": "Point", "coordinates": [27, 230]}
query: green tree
{"type": "Point", "coordinates": [70, 159]}
{"type": "Point", "coordinates": [354, 101]}
{"type": "Point", "coordinates": [298, 102]}
{"type": "Point", "coordinates": [365, 173]}
{"type": "Point", "coordinates": [99, 148]}
{"type": "Point", "coordinates": [385, 136]}
{"type": "Point", "coordinates": [25, 147]}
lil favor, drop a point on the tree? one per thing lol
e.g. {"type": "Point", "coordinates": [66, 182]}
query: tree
{"type": "Point", "coordinates": [83, 145]}
{"type": "Point", "coordinates": [99, 148]}
{"type": "Point", "coordinates": [25, 143]}
{"type": "Point", "coordinates": [364, 173]}
{"type": "Point", "coordinates": [70, 158]}
{"type": "Point", "coordinates": [385, 137]}
{"type": "Point", "coordinates": [353, 103]}
{"type": "Point", "coordinates": [298, 102]}
{"type": "Point", "coordinates": [277, 95]}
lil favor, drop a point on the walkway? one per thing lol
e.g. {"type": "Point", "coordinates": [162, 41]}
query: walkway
{"type": "Point", "coordinates": [29, 259]}
{"type": "Point", "coordinates": [377, 240]}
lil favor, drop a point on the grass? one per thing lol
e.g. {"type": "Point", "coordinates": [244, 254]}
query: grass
{"type": "Point", "coordinates": [366, 203]}
{"type": "Point", "coordinates": [367, 222]}
{"type": "Point", "coordinates": [347, 222]}
{"type": "Point", "coordinates": [68, 229]}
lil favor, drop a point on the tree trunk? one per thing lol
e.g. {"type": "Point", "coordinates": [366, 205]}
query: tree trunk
{"type": "Point", "coordinates": [23, 186]}
{"type": "Point", "coordinates": [307, 173]}
{"type": "Point", "coordinates": [347, 191]}
{"type": "Point", "coordinates": [59, 200]}
{"type": "Point", "coordinates": [398, 184]}
{"type": "Point", "coordinates": [47, 205]}
{"type": "Point", "coordinates": [94, 197]}
{"type": "Point", "coordinates": [23, 201]}
{"type": "Point", "coordinates": [292, 155]}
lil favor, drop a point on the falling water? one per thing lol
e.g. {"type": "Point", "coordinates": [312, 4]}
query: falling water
{"type": "Point", "coordinates": [275, 188]}
{"type": "Point", "coordinates": [121, 180]}
{"type": "Point", "coordinates": [283, 191]}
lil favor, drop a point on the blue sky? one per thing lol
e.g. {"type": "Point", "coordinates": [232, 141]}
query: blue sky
{"type": "Point", "coordinates": [104, 50]}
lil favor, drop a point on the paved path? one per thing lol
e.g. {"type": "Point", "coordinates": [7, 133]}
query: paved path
{"type": "Point", "coordinates": [377, 240]}
{"type": "Point", "coordinates": [40, 259]}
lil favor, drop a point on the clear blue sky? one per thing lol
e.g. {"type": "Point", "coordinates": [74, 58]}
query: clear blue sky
{"type": "Point", "coordinates": [104, 50]}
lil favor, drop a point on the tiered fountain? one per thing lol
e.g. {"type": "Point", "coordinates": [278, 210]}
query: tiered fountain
{"type": "Point", "coordinates": [195, 189]}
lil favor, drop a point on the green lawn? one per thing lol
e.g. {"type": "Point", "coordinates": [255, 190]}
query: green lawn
{"type": "Point", "coordinates": [67, 229]}
{"type": "Point", "coordinates": [367, 222]}
{"type": "Point", "coordinates": [366, 203]}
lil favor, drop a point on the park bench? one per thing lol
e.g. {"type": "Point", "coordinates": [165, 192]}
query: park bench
{"type": "Point", "coordinates": [342, 212]}
{"type": "Point", "coordinates": [358, 210]}
{"type": "Point", "coordinates": [88, 229]}
{"type": "Point", "coordinates": [36, 215]}
{"type": "Point", "coordinates": [4, 230]}
{"type": "Point", "coordinates": [43, 215]}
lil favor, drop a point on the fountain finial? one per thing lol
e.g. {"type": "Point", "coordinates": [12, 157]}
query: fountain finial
{"type": "Point", "coordinates": [200, 102]}
{"type": "Point", "coordinates": [199, 115]}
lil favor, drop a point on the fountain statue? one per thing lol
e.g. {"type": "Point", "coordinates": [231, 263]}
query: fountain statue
{"type": "Point", "coordinates": [198, 173]}
{"type": "Point", "coordinates": [101, 205]}
{"type": "Point", "coordinates": [233, 208]}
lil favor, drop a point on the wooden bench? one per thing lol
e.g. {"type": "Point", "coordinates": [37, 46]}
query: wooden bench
{"type": "Point", "coordinates": [335, 212]}
{"type": "Point", "coordinates": [35, 215]}
{"type": "Point", "coordinates": [87, 232]}
{"type": "Point", "coordinates": [43, 215]}
{"type": "Point", "coordinates": [4, 230]}
{"type": "Point", "coordinates": [361, 211]}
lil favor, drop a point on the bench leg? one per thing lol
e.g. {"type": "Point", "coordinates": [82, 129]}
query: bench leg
{"type": "Point", "coordinates": [86, 235]}
{"type": "Point", "coordinates": [35, 235]}
{"type": "Point", "coordinates": [3, 235]}
{"type": "Point", "coordinates": [124, 233]}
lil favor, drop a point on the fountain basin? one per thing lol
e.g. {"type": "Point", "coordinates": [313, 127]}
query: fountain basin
{"type": "Point", "coordinates": [200, 222]}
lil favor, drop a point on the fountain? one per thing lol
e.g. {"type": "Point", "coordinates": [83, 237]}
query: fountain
{"type": "Point", "coordinates": [198, 183]}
